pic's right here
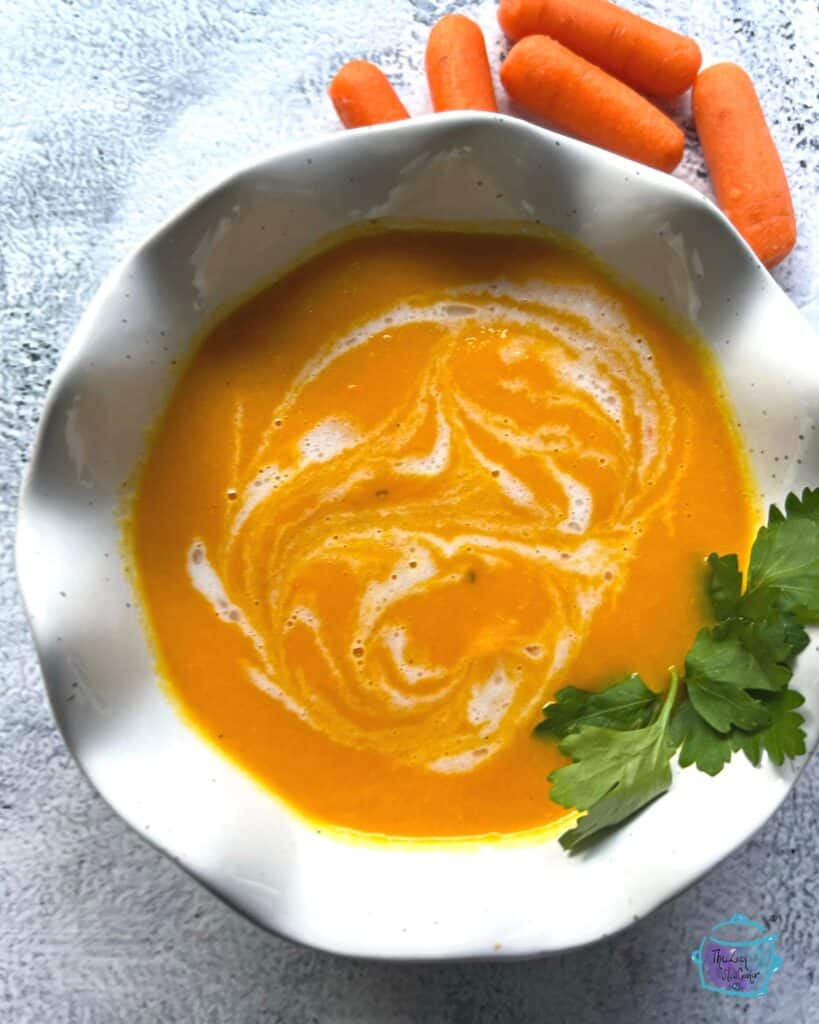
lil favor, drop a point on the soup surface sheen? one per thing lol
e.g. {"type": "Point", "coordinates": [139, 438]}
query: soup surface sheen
{"type": "Point", "coordinates": [405, 494]}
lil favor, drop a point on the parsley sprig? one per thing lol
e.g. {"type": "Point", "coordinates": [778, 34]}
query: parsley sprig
{"type": "Point", "coordinates": [734, 694]}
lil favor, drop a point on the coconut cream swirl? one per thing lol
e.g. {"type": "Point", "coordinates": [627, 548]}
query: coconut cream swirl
{"type": "Point", "coordinates": [415, 565]}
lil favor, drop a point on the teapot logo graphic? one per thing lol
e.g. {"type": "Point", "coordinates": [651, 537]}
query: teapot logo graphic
{"type": "Point", "coordinates": [735, 964]}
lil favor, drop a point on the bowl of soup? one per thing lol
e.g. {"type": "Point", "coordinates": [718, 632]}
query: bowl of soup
{"type": "Point", "coordinates": [354, 464]}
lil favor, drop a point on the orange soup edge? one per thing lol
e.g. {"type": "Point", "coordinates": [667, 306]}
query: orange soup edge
{"type": "Point", "coordinates": [407, 492]}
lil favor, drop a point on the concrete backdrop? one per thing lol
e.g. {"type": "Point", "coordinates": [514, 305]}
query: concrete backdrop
{"type": "Point", "coordinates": [112, 114]}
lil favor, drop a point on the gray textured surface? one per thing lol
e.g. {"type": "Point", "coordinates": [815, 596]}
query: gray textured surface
{"type": "Point", "coordinates": [113, 114]}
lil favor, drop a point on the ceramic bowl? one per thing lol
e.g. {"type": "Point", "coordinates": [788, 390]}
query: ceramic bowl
{"type": "Point", "coordinates": [399, 901]}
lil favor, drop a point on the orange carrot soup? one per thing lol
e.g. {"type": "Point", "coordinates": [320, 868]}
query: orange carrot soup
{"type": "Point", "coordinates": [406, 493]}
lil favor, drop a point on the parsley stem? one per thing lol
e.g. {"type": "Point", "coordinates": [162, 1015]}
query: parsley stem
{"type": "Point", "coordinates": [670, 697]}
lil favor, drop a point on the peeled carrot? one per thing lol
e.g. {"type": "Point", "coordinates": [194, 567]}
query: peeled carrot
{"type": "Point", "coordinates": [580, 99]}
{"type": "Point", "coordinates": [457, 66]}
{"type": "Point", "coordinates": [638, 52]}
{"type": "Point", "coordinates": [362, 95]}
{"type": "Point", "coordinates": [746, 172]}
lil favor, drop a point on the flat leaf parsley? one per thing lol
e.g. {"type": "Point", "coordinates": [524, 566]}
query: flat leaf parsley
{"type": "Point", "coordinates": [734, 695]}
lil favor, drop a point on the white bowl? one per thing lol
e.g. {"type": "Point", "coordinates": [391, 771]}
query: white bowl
{"type": "Point", "coordinates": [401, 901]}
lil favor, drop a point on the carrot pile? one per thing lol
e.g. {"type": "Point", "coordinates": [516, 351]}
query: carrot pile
{"type": "Point", "coordinates": [587, 67]}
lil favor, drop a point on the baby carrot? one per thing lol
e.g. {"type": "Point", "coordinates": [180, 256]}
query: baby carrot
{"type": "Point", "coordinates": [746, 172]}
{"type": "Point", "coordinates": [362, 95]}
{"type": "Point", "coordinates": [580, 99]}
{"type": "Point", "coordinates": [457, 66]}
{"type": "Point", "coordinates": [643, 55]}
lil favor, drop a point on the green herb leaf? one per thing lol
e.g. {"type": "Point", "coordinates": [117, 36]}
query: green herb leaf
{"type": "Point", "coordinates": [628, 704]}
{"type": "Point", "coordinates": [718, 674]}
{"type": "Point", "coordinates": [701, 745]}
{"type": "Point", "coordinates": [769, 645]}
{"type": "Point", "coordinates": [806, 507]}
{"type": "Point", "coordinates": [613, 773]}
{"type": "Point", "coordinates": [773, 641]}
{"type": "Point", "coordinates": [724, 584]}
{"type": "Point", "coordinates": [783, 737]}
{"type": "Point", "coordinates": [783, 574]}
